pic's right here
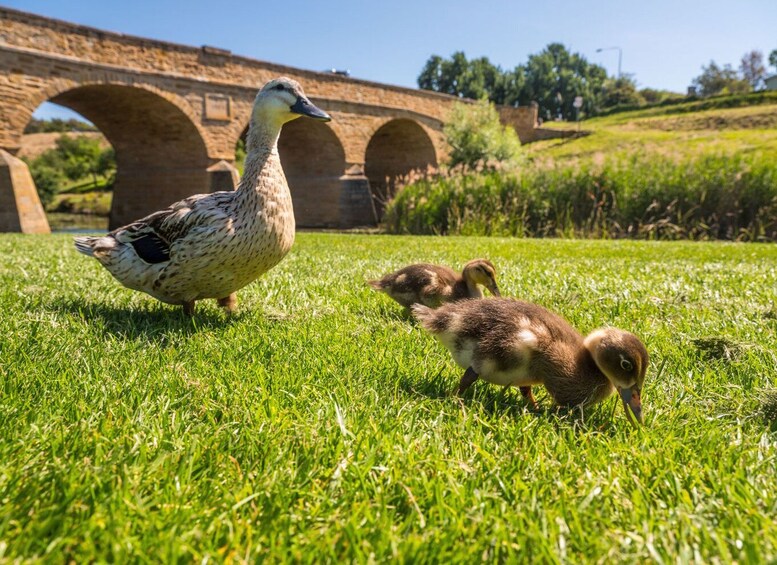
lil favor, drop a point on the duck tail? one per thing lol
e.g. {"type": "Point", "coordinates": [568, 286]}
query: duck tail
{"type": "Point", "coordinates": [85, 245]}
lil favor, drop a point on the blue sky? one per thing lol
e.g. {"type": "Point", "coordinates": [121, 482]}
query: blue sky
{"type": "Point", "coordinates": [664, 42]}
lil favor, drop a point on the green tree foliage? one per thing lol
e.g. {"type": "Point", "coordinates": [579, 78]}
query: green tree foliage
{"type": "Point", "coordinates": [478, 139]}
{"type": "Point", "coordinates": [716, 80]}
{"type": "Point", "coordinates": [474, 79]}
{"type": "Point", "coordinates": [773, 58]}
{"type": "Point", "coordinates": [752, 68]}
{"type": "Point", "coordinates": [73, 159]}
{"type": "Point", "coordinates": [621, 92]}
{"type": "Point", "coordinates": [656, 96]}
{"type": "Point", "coordinates": [552, 78]}
{"type": "Point", "coordinates": [57, 125]}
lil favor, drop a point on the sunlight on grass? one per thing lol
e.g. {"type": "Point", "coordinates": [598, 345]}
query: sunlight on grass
{"type": "Point", "coordinates": [316, 424]}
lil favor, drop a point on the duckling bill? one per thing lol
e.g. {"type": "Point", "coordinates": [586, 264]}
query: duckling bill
{"type": "Point", "coordinates": [433, 285]}
{"type": "Point", "coordinates": [515, 343]}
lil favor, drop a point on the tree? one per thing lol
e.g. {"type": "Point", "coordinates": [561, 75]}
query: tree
{"type": "Point", "coordinates": [655, 96]}
{"type": "Point", "coordinates": [773, 58]}
{"type": "Point", "coordinates": [468, 79]}
{"type": "Point", "coordinates": [621, 92]}
{"type": "Point", "coordinates": [57, 125]}
{"type": "Point", "coordinates": [716, 80]}
{"type": "Point", "coordinates": [552, 78]}
{"type": "Point", "coordinates": [72, 159]}
{"type": "Point", "coordinates": [477, 137]}
{"type": "Point", "coordinates": [752, 68]}
{"type": "Point", "coordinates": [47, 180]}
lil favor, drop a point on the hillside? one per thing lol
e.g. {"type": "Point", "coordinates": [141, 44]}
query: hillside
{"type": "Point", "coordinates": [674, 131]}
{"type": "Point", "coordinates": [33, 144]}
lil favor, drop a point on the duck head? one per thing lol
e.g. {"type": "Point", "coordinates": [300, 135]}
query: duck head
{"type": "Point", "coordinates": [481, 271]}
{"type": "Point", "coordinates": [282, 100]}
{"type": "Point", "coordinates": [623, 359]}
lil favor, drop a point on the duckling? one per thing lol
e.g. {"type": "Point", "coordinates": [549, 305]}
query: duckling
{"type": "Point", "coordinates": [433, 285]}
{"type": "Point", "coordinates": [511, 342]}
{"type": "Point", "coordinates": [211, 245]}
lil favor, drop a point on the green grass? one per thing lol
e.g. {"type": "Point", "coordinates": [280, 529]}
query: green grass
{"type": "Point", "coordinates": [692, 133]}
{"type": "Point", "coordinates": [316, 425]}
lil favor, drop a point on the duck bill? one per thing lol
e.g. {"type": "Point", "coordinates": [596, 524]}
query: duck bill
{"type": "Point", "coordinates": [632, 402]}
{"type": "Point", "coordinates": [495, 290]}
{"type": "Point", "coordinates": [305, 107]}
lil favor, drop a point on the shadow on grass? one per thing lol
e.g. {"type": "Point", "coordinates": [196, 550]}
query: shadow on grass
{"type": "Point", "coordinates": [497, 402]}
{"type": "Point", "coordinates": [153, 324]}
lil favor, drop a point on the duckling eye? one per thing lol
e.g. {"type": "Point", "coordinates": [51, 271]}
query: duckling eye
{"type": "Point", "coordinates": [626, 365]}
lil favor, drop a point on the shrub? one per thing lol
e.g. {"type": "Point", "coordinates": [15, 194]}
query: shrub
{"type": "Point", "coordinates": [47, 180]}
{"type": "Point", "coordinates": [713, 197]}
{"type": "Point", "coordinates": [478, 139]}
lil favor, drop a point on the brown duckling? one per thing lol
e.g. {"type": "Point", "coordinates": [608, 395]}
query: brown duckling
{"type": "Point", "coordinates": [433, 285]}
{"type": "Point", "coordinates": [511, 342]}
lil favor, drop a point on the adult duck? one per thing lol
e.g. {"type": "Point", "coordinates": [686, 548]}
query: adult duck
{"type": "Point", "coordinates": [211, 245]}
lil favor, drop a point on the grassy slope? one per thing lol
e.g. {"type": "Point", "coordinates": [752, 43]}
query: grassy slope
{"type": "Point", "coordinates": [660, 130]}
{"type": "Point", "coordinates": [317, 422]}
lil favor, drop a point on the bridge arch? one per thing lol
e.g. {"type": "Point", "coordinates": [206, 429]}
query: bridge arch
{"type": "Point", "coordinates": [397, 152]}
{"type": "Point", "coordinates": [161, 155]}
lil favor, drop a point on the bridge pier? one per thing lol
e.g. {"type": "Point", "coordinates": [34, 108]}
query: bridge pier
{"type": "Point", "coordinates": [20, 207]}
{"type": "Point", "coordinates": [357, 208]}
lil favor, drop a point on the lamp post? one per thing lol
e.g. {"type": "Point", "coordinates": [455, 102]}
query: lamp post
{"type": "Point", "coordinates": [620, 56]}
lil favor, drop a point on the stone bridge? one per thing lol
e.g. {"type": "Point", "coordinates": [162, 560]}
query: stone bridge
{"type": "Point", "coordinates": [175, 113]}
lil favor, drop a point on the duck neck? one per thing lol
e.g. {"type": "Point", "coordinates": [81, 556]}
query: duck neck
{"type": "Point", "coordinates": [592, 384]}
{"type": "Point", "coordinates": [261, 155]}
{"type": "Point", "coordinates": [473, 290]}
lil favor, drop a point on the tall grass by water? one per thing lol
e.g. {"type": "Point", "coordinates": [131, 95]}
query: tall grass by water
{"type": "Point", "coordinates": [640, 196]}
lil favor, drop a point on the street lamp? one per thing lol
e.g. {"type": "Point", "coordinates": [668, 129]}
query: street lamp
{"type": "Point", "coordinates": [620, 56]}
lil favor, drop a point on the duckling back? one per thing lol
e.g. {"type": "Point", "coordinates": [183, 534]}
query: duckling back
{"type": "Point", "coordinates": [421, 283]}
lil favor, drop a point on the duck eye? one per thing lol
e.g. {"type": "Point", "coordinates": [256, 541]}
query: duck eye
{"type": "Point", "coordinates": [626, 365]}
{"type": "Point", "coordinates": [280, 87]}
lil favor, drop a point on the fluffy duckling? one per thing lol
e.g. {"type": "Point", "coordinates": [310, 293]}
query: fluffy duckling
{"type": "Point", "coordinates": [433, 285]}
{"type": "Point", "coordinates": [511, 342]}
{"type": "Point", "coordinates": [211, 245]}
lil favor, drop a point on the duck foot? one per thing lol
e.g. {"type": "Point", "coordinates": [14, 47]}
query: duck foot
{"type": "Point", "coordinates": [469, 377]}
{"type": "Point", "coordinates": [527, 394]}
{"type": "Point", "coordinates": [228, 303]}
{"type": "Point", "coordinates": [188, 308]}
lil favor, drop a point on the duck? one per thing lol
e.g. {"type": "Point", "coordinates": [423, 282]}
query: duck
{"type": "Point", "coordinates": [211, 245]}
{"type": "Point", "coordinates": [510, 342]}
{"type": "Point", "coordinates": [434, 285]}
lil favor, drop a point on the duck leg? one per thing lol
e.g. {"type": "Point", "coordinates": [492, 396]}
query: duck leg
{"type": "Point", "coordinates": [229, 303]}
{"type": "Point", "coordinates": [527, 394]}
{"type": "Point", "coordinates": [469, 377]}
{"type": "Point", "coordinates": [188, 308]}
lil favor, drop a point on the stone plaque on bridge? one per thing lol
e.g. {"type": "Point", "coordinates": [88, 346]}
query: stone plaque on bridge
{"type": "Point", "coordinates": [218, 107]}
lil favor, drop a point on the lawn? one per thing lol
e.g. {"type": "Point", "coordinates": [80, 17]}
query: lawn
{"type": "Point", "coordinates": [666, 133]}
{"type": "Point", "coordinates": [317, 424]}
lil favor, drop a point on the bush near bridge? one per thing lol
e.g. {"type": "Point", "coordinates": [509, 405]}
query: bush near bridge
{"type": "Point", "coordinates": [711, 197]}
{"type": "Point", "coordinates": [702, 170]}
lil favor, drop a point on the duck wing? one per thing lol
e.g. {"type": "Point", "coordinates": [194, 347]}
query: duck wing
{"type": "Point", "coordinates": [153, 237]}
